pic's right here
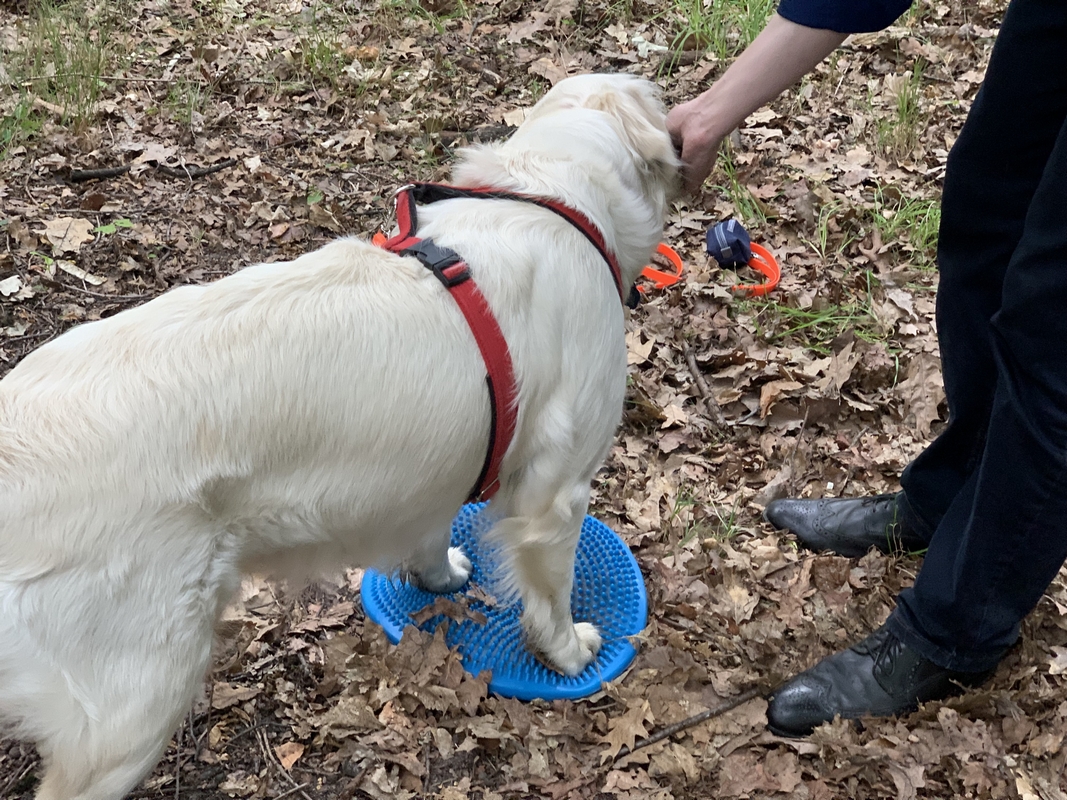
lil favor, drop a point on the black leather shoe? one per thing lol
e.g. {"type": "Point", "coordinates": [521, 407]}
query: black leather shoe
{"type": "Point", "coordinates": [846, 526]}
{"type": "Point", "coordinates": [879, 677]}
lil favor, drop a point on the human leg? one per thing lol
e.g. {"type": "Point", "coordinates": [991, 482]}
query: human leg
{"type": "Point", "coordinates": [994, 485]}
{"type": "Point", "coordinates": [993, 172]}
{"type": "Point", "coordinates": [1004, 536]}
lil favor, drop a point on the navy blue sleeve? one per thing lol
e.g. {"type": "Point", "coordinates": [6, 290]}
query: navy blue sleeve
{"type": "Point", "coordinates": [844, 16]}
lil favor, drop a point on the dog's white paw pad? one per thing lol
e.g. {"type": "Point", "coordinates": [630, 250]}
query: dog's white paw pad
{"type": "Point", "coordinates": [448, 577]}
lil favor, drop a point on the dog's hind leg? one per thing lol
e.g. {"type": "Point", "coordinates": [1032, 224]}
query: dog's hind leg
{"type": "Point", "coordinates": [437, 567]}
{"type": "Point", "coordinates": [106, 722]}
{"type": "Point", "coordinates": [113, 654]}
{"type": "Point", "coordinates": [89, 773]}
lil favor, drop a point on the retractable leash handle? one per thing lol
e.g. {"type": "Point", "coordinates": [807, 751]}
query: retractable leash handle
{"type": "Point", "coordinates": [730, 245]}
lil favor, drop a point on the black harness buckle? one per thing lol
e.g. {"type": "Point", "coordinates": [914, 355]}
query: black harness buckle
{"type": "Point", "coordinates": [439, 259]}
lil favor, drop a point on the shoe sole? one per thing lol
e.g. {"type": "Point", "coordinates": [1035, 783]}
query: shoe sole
{"type": "Point", "coordinates": [786, 734]}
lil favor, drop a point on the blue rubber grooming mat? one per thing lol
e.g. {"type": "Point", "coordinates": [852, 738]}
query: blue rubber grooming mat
{"type": "Point", "coordinates": [608, 592]}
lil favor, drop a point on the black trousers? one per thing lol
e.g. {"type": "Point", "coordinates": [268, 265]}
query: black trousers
{"type": "Point", "coordinates": [990, 493]}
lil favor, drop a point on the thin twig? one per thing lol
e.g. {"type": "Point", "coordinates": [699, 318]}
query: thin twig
{"type": "Point", "coordinates": [17, 778]}
{"type": "Point", "coordinates": [178, 759]}
{"type": "Point", "coordinates": [294, 790]}
{"type": "Point", "coordinates": [196, 172]}
{"type": "Point", "coordinates": [26, 336]}
{"type": "Point", "coordinates": [245, 732]}
{"type": "Point", "coordinates": [183, 171]}
{"type": "Point", "coordinates": [696, 719]}
{"type": "Point", "coordinates": [126, 78]}
{"type": "Point", "coordinates": [119, 297]}
{"type": "Point", "coordinates": [710, 403]}
{"type": "Point", "coordinates": [273, 759]}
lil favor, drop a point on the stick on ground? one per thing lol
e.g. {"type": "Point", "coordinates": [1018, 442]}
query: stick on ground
{"type": "Point", "coordinates": [689, 722]}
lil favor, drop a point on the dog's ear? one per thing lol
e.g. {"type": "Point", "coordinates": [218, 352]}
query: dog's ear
{"type": "Point", "coordinates": [643, 125]}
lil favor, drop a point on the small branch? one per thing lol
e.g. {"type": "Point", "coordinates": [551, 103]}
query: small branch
{"type": "Point", "coordinates": [188, 172]}
{"type": "Point", "coordinates": [696, 719]}
{"type": "Point", "coordinates": [17, 777]}
{"type": "Point", "coordinates": [80, 175]}
{"type": "Point", "coordinates": [123, 298]}
{"type": "Point", "coordinates": [124, 78]}
{"type": "Point", "coordinates": [274, 761]}
{"type": "Point", "coordinates": [710, 403]}
{"type": "Point", "coordinates": [196, 172]}
{"type": "Point", "coordinates": [178, 758]}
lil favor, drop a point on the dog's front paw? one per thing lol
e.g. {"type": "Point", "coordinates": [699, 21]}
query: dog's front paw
{"type": "Point", "coordinates": [580, 651]}
{"type": "Point", "coordinates": [449, 577]}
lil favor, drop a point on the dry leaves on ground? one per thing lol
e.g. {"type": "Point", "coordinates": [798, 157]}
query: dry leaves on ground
{"type": "Point", "coordinates": [258, 129]}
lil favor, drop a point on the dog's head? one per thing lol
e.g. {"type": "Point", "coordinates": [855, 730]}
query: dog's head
{"type": "Point", "coordinates": [600, 144]}
{"type": "Point", "coordinates": [634, 105]}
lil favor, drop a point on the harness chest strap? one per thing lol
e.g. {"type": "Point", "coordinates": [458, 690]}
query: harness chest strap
{"type": "Point", "coordinates": [454, 274]}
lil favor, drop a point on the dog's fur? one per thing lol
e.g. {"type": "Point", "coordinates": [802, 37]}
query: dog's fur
{"type": "Point", "coordinates": [296, 416]}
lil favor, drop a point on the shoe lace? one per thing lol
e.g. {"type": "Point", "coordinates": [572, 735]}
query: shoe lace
{"type": "Point", "coordinates": [894, 529]}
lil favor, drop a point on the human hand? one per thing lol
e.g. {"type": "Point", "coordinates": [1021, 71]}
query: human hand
{"type": "Point", "coordinates": [782, 53]}
{"type": "Point", "coordinates": [696, 141]}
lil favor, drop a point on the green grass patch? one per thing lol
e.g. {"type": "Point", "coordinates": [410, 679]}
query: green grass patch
{"type": "Point", "coordinates": [747, 207]}
{"type": "Point", "coordinates": [722, 28]}
{"type": "Point", "coordinates": [899, 131]}
{"type": "Point", "coordinates": [816, 328]}
{"type": "Point", "coordinates": [187, 99]}
{"type": "Point", "coordinates": [912, 221]}
{"type": "Point", "coordinates": [64, 52]}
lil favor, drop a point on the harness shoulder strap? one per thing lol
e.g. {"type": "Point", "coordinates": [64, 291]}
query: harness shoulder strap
{"type": "Point", "coordinates": [426, 193]}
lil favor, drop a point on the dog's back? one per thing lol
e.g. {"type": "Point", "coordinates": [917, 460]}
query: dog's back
{"type": "Point", "coordinates": [147, 459]}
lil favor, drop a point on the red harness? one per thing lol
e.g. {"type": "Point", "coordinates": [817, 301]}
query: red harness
{"type": "Point", "coordinates": [453, 272]}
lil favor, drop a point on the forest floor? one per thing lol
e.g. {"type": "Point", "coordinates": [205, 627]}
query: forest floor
{"type": "Point", "coordinates": [239, 131]}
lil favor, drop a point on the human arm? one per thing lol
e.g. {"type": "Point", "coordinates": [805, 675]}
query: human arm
{"type": "Point", "coordinates": [780, 56]}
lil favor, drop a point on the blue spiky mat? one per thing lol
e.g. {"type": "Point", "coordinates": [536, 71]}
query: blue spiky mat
{"type": "Point", "coordinates": [608, 592]}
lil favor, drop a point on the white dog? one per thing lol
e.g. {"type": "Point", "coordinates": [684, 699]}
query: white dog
{"type": "Point", "coordinates": [297, 416]}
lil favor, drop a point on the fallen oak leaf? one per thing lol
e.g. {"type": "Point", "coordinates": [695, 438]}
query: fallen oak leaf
{"type": "Point", "coordinates": [224, 695]}
{"type": "Point", "coordinates": [772, 392]}
{"type": "Point", "coordinates": [548, 69]}
{"type": "Point", "coordinates": [67, 234]}
{"type": "Point", "coordinates": [155, 151]}
{"type": "Point", "coordinates": [625, 730]}
{"type": "Point", "coordinates": [288, 754]}
{"type": "Point", "coordinates": [675, 415]}
{"type": "Point", "coordinates": [447, 607]}
{"type": "Point", "coordinates": [335, 617]}
{"type": "Point", "coordinates": [638, 351]}
{"type": "Point", "coordinates": [323, 218]}
{"type": "Point", "coordinates": [922, 392]}
{"type": "Point", "coordinates": [527, 28]}
{"type": "Point", "coordinates": [1057, 665]}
